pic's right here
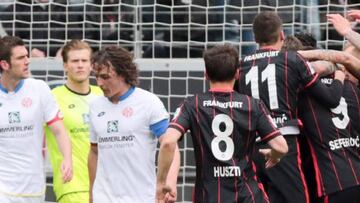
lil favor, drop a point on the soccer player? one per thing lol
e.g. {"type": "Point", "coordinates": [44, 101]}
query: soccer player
{"type": "Point", "coordinates": [26, 105]}
{"type": "Point", "coordinates": [276, 78]}
{"type": "Point", "coordinates": [74, 98]}
{"type": "Point", "coordinates": [125, 125]}
{"type": "Point", "coordinates": [333, 137]}
{"type": "Point", "coordinates": [223, 126]}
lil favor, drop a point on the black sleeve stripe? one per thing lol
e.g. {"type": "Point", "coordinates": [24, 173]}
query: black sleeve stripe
{"type": "Point", "coordinates": [271, 135]}
{"type": "Point", "coordinates": [178, 127]}
{"type": "Point", "coordinates": [312, 81]}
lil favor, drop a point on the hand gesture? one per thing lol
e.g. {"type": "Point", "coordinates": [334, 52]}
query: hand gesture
{"type": "Point", "coordinates": [341, 24]}
{"type": "Point", "coordinates": [355, 14]}
{"type": "Point", "coordinates": [164, 194]}
{"type": "Point", "coordinates": [271, 159]}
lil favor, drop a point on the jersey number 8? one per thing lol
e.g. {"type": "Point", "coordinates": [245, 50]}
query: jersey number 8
{"type": "Point", "coordinates": [222, 136]}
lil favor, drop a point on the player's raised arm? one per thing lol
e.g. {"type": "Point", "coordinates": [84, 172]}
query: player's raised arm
{"type": "Point", "coordinates": [343, 27]}
{"type": "Point", "coordinates": [58, 129]}
{"type": "Point", "coordinates": [351, 63]}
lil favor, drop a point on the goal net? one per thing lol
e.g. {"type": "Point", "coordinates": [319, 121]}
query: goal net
{"type": "Point", "coordinates": [166, 37]}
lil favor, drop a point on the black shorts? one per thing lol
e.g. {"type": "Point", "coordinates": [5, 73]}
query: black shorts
{"type": "Point", "coordinates": [285, 182]}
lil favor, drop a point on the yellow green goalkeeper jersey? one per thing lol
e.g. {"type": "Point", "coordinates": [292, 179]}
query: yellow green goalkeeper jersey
{"type": "Point", "coordinates": [75, 108]}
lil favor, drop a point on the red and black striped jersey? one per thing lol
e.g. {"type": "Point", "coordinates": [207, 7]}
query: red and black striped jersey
{"type": "Point", "coordinates": [333, 139]}
{"type": "Point", "coordinates": [223, 126]}
{"type": "Point", "coordinates": [276, 78]}
{"type": "Point", "coordinates": [352, 95]}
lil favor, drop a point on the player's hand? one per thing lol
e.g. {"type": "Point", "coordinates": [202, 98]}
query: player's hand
{"type": "Point", "coordinates": [355, 14]}
{"type": "Point", "coordinates": [271, 160]}
{"type": "Point", "coordinates": [341, 24]}
{"type": "Point", "coordinates": [170, 197]}
{"type": "Point", "coordinates": [339, 75]}
{"type": "Point", "coordinates": [66, 170]}
{"type": "Point", "coordinates": [164, 193]}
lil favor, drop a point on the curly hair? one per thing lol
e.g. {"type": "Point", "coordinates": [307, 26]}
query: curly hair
{"type": "Point", "coordinates": [118, 58]}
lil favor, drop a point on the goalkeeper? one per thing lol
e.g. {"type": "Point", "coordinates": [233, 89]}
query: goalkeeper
{"type": "Point", "coordinates": [73, 98]}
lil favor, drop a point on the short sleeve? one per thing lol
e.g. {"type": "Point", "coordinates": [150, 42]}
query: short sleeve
{"type": "Point", "coordinates": [157, 111]}
{"type": "Point", "coordinates": [48, 103]}
{"type": "Point", "coordinates": [265, 127]}
{"type": "Point", "coordinates": [181, 120]}
{"type": "Point", "coordinates": [93, 135]}
{"type": "Point", "coordinates": [308, 77]}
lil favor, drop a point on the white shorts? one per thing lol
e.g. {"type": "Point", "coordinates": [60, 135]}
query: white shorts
{"type": "Point", "coordinates": [14, 199]}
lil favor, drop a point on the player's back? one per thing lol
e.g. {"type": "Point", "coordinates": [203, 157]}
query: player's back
{"type": "Point", "coordinates": [223, 127]}
{"type": "Point", "coordinates": [333, 139]}
{"type": "Point", "coordinates": [276, 78]}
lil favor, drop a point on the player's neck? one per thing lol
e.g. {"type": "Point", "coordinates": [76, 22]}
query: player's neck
{"type": "Point", "coordinates": [79, 87]}
{"type": "Point", "coordinates": [8, 82]}
{"type": "Point", "coordinates": [229, 85]}
{"type": "Point", "coordinates": [276, 46]}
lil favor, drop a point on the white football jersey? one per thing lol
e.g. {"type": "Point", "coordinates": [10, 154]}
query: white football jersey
{"type": "Point", "coordinates": [126, 147]}
{"type": "Point", "coordinates": [22, 117]}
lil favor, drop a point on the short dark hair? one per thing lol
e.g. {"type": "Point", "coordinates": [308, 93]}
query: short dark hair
{"type": "Point", "coordinates": [291, 43]}
{"type": "Point", "coordinates": [307, 39]}
{"type": "Point", "coordinates": [118, 58]}
{"type": "Point", "coordinates": [7, 43]}
{"type": "Point", "coordinates": [221, 63]}
{"type": "Point", "coordinates": [74, 44]}
{"type": "Point", "coordinates": [267, 27]}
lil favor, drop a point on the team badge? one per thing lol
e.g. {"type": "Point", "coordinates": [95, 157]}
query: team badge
{"type": "Point", "coordinates": [14, 117]}
{"type": "Point", "coordinates": [112, 127]}
{"type": "Point", "coordinates": [127, 112]}
{"type": "Point", "coordinates": [26, 102]}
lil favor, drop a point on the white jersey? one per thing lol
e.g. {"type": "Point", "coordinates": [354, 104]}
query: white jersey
{"type": "Point", "coordinates": [22, 117]}
{"type": "Point", "coordinates": [126, 147]}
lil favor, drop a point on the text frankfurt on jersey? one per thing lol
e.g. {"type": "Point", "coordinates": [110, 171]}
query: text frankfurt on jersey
{"type": "Point", "coordinates": [344, 142]}
{"type": "Point", "coordinates": [261, 55]}
{"type": "Point", "coordinates": [225, 105]}
{"type": "Point", "coordinates": [227, 171]}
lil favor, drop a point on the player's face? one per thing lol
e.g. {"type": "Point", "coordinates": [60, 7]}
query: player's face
{"type": "Point", "coordinates": [78, 65]}
{"type": "Point", "coordinates": [112, 85]}
{"type": "Point", "coordinates": [19, 63]}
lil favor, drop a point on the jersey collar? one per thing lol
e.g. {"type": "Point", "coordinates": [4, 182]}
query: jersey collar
{"type": "Point", "coordinates": [127, 93]}
{"type": "Point", "coordinates": [17, 88]}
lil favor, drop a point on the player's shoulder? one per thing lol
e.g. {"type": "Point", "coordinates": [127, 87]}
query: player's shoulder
{"type": "Point", "coordinates": [36, 84]}
{"type": "Point", "coordinates": [96, 90]}
{"type": "Point", "coordinates": [59, 89]}
{"type": "Point", "coordinates": [145, 95]}
{"type": "Point", "coordinates": [100, 100]}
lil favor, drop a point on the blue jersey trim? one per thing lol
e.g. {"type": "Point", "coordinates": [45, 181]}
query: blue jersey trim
{"type": "Point", "coordinates": [127, 93]}
{"type": "Point", "coordinates": [160, 127]}
{"type": "Point", "coordinates": [17, 88]}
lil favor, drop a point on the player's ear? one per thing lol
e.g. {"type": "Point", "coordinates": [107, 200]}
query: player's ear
{"type": "Point", "coordinates": [237, 74]}
{"type": "Point", "coordinates": [4, 65]}
{"type": "Point", "coordinates": [206, 76]}
{"type": "Point", "coordinates": [282, 35]}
